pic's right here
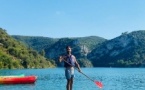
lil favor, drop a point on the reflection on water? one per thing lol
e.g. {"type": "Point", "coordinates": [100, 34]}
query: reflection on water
{"type": "Point", "coordinates": [54, 79]}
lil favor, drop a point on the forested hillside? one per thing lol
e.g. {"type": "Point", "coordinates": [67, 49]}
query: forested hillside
{"type": "Point", "coordinates": [54, 47]}
{"type": "Point", "coordinates": [35, 42]}
{"type": "Point", "coordinates": [127, 50]}
{"type": "Point", "coordinates": [14, 54]}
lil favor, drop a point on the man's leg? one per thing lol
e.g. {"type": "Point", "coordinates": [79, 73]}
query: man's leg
{"type": "Point", "coordinates": [68, 85]}
{"type": "Point", "coordinates": [71, 83]}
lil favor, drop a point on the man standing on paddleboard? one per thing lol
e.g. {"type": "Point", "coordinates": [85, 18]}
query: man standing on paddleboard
{"type": "Point", "coordinates": [70, 63]}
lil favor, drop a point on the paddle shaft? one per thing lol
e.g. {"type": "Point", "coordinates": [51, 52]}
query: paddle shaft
{"type": "Point", "coordinates": [80, 72]}
{"type": "Point", "coordinates": [87, 76]}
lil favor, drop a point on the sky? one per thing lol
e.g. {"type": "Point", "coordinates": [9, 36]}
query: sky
{"type": "Point", "coordinates": [72, 18]}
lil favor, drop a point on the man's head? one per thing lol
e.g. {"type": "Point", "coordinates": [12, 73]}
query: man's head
{"type": "Point", "coordinates": [68, 49]}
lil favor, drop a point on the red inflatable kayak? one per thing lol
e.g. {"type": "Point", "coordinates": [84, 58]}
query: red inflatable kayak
{"type": "Point", "coordinates": [18, 80]}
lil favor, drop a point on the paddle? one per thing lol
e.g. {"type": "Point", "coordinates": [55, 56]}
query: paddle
{"type": "Point", "coordinates": [99, 84]}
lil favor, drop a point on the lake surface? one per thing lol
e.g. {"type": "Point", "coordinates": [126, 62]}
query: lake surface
{"type": "Point", "coordinates": [54, 79]}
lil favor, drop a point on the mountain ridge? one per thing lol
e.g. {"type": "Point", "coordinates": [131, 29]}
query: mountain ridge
{"type": "Point", "coordinates": [125, 50]}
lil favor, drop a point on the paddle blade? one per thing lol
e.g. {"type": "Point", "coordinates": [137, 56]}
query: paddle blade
{"type": "Point", "coordinates": [99, 84]}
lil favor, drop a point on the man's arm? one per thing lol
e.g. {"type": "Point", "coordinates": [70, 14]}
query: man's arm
{"type": "Point", "coordinates": [78, 66]}
{"type": "Point", "coordinates": [62, 58]}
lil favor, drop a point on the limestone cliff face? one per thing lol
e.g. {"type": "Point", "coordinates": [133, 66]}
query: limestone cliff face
{"type": "Point", "coordinates": [80, 46]}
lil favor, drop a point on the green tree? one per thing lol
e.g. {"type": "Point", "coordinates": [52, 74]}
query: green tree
{"type": "Point", "coordinates": [42, 52]}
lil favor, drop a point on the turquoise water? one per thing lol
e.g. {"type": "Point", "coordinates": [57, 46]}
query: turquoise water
{"type": "Point", "coordinates": [53, 79]}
